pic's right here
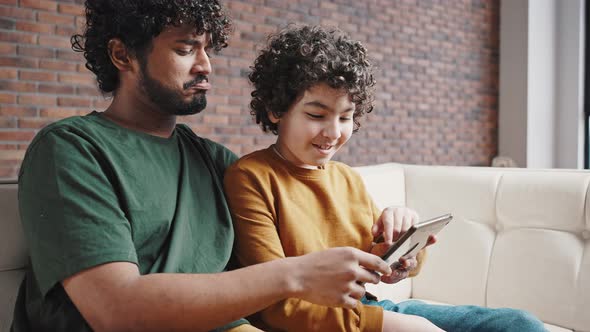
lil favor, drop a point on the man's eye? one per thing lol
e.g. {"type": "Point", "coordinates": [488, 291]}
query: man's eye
{"type": "Point", "coordinates": [346, 118]}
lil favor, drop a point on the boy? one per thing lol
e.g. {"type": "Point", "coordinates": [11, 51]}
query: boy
{"type": "Point", "coordinates": [311, 86]}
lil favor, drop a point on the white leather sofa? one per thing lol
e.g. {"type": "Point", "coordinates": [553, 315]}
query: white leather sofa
{"type": "Point", "coordinates": [520, 238]}
{"type": "Point", "coordinates": [13, 252]}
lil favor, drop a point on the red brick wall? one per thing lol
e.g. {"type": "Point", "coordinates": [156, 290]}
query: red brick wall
{"type": "Point", "coordinates": [437, 96]}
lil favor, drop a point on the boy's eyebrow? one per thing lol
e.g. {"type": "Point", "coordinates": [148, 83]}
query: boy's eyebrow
{"type": "Point", "coordinates": [316, 103]}
{"type": "Point", "coordinates": [189, 41]}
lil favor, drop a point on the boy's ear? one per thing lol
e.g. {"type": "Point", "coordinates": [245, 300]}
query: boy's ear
{"type": "Point", "coordinates": [119, 54]}
{"type": "Point", "coordinates": [273, 118]}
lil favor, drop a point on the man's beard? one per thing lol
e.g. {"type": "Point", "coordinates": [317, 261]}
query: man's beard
{"type": "Point", "coordinates": [171, 101]}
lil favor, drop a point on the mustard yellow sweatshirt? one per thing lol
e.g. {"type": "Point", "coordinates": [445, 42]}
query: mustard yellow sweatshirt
{"type": "Point", "coordinates": [280, 210]}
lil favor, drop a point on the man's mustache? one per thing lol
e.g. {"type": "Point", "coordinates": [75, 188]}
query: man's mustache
{"type": "Point", "coordinates": [196, 81]}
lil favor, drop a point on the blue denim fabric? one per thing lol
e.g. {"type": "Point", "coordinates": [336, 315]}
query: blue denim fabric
{"type": "Point", "coordinates": [466, 318]}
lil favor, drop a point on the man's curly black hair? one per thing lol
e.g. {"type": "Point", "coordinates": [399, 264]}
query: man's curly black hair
{"type": "Point", "coordinates": [136, 23]}
{"type": "Point", "coordinates": [299, 57]}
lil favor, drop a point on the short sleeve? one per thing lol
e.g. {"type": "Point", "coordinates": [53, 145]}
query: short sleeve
{"type": "Point", "coordinates": [69, 208]}
{"type": "Point", "coordinates": [223, 156]}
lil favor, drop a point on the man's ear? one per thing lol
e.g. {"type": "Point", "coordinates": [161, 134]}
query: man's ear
{"type": "Point", "coordinates": [273, 118]}
{"type": "Point", "coordinates": [119, 55]}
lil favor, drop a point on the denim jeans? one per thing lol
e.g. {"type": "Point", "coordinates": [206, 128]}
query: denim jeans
{"type": "Point", "coordinates": [466, 318]}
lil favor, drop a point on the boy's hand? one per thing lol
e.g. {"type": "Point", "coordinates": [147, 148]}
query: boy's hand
{"type": "Point", "coordinates": [394, 222]}
{"type": "Point", "coordinates": [391, 225]}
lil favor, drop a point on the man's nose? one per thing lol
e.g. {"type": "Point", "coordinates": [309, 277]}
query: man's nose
{"type": "Point", "coordinates": [202, 64]}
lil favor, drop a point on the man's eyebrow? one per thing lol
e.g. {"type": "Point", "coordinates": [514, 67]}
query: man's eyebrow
{"type": "Point", "coordinates": [321, 105]}
{"type": "Point", "coordinates": [194, 41]}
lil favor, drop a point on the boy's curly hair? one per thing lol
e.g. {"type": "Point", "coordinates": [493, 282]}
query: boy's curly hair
{"type": "Point", "coordinates": [136, 23]}
{"type": "Point", "coordinates": [299, 57]}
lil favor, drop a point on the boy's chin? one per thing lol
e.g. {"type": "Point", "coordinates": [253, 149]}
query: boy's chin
{"type": "Point", "coordinates": [322, 162]}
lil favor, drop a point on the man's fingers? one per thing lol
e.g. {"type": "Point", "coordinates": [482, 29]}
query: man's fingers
{"type": "Point", "coordinates": [349, 302]}
{"type": "Point", "coordinates": [372, 263]}
{"type": "Point", "coordinates": [365, 276]}
{"type": "Point", "coordinates": [358, 291]}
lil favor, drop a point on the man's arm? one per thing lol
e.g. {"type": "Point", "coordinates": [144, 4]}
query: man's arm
{"type": "Point", "coordinates": [115, 297]}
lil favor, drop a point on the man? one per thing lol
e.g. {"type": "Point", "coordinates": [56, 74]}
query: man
{"type": "Point", "coordinates": [124, 210]}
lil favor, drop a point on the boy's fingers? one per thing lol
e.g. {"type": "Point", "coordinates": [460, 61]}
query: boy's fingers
{"type": "Point", "coordinates": [388, 224]}
{"type": "Point", "coordinates": [408, 264]}
{"type": "Point", "coordinates": [377, 229]}
{"type": "Point", "coordinates": [408, 222]}
{"type": "Point", "coordinates": [398, 224]}
{"type": "Point", "coordinates": [431, 240]}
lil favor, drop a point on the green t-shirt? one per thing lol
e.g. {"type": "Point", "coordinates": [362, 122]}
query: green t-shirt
{"type": "Point", "coordinates": [92, 192]}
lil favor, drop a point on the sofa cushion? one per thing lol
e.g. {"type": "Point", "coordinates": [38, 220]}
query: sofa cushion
{"type": "Point", "coordinates": [541, 241]}
{"type": "Point", "coordinates": [457, 266]}
{"type": "Point", "coordinates": [520, 239]}
{"type": "Point", "coordinates": [13, 253]}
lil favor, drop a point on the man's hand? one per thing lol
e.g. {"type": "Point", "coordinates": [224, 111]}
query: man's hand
{"type": "Point", "coordinates": [335, 277]}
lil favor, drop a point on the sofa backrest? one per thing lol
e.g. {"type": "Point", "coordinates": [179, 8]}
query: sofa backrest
{"type": "Point", "coordinates": [520, 238]}
{"type": "Point", "coordinates": [13, 252]}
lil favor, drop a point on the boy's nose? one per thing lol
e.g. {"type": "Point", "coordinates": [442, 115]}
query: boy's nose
{"type": "Point", "coordinates": [332, 131]}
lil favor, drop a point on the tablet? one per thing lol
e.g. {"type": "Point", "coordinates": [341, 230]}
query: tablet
{"type": "Point", "coordinates": [415, 239]}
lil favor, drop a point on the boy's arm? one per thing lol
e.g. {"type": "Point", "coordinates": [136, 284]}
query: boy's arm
{"type": "Point", "coordinates": [257, 241]}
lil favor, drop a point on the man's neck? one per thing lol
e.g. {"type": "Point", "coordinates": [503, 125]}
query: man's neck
{"type": "Point", "coordinates": [140, 117]}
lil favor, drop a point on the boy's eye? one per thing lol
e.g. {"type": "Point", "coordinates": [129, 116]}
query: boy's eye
{"type": "Point", "coordinates": [314, 116]}
{"type": "Point", "coordinates": [345, 118]}
{"type": "Point", "coordinates": [185, 52]}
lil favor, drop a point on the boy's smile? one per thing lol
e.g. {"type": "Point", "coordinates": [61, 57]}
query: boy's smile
{"type": "Point", "coordinates": [315, 127]}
